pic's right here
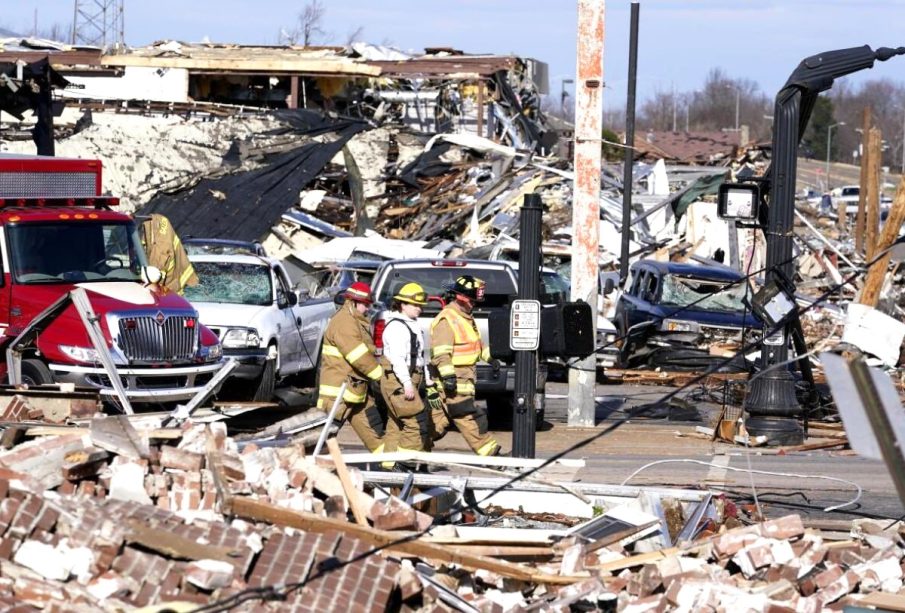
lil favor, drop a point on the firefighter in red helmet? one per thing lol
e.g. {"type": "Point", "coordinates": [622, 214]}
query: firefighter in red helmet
{"type": "Point", "coordinates": [348, 356]}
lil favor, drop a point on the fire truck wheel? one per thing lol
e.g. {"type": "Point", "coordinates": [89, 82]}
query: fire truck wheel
{"type": "Point", "coordinates": [264, 390]}
{"type": "Point", "coordinates": [34, 372]}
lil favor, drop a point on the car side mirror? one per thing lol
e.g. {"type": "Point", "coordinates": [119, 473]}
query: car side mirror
{"type": "Point", "coordinates": [608, 286]}
{"type": "Point", "coordinates": [292, 299]}
{"type": "Point", "coordinates": [738, 202]}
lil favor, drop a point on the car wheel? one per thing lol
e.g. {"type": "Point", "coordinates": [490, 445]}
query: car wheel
{"type": "Point", "coordinates": [267, 382]}
{"type": "Point", "coordinates": [35, 372]}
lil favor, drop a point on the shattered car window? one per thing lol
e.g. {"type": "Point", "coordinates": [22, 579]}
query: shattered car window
{"type": "Point", "coordinates": [75, 252]}
{"type": "Point", "coordinates": [713, 295]}
{"type": "Point", "coordinates": [554, 289]}
{"type": "Point", "coordinates": [498, 291]}
{"type": "Point", "coordinates": [231, 283]}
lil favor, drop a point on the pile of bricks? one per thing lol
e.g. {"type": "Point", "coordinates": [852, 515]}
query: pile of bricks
{"type": "Point", "coordinates": [81, 552]}
{"type": "Point", "coordinates": [112, 518]}
{"type": "Point", "coordinates": [776, 566]}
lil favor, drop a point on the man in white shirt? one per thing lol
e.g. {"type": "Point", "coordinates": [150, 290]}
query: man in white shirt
{"type": "Point", "coordinates": [403, 360]}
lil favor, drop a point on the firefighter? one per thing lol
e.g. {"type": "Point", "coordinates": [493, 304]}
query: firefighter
{"type": "Point", "coordinates": [165, 251]}
{"type": "Point", "coordinates": [404, 370]}
{"type": "Point", "coordinates": [347, 356]}
{"type": "Point", "coordinates": [455, 349]}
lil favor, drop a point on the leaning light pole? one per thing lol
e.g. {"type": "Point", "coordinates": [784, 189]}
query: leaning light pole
{"type": "Point", "coordinates": [771, 403]}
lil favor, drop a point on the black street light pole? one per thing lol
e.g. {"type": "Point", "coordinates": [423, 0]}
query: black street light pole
{"type": "Point", "coordinates": [771, 403]}
{"type": "Point", "coordinates": [524, 413]}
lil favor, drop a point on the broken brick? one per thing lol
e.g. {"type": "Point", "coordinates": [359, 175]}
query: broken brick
{"type": "Point", "coordinates": [171, 457]}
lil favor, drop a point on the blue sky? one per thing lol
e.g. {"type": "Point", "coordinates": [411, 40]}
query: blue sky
{"type": "Point", "coordinates": [680, 40]}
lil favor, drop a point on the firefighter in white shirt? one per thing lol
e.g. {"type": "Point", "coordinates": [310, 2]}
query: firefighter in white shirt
{"type": "Point", "coordinates": [403, 364]}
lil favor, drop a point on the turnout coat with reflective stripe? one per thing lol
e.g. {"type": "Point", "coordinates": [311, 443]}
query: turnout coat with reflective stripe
{"type": "Point", "coordinates": [456, 347]}
{"type": "Point", "coordinates": [348, 350]}
{"type": "Point", "coordinates": [165, 251]}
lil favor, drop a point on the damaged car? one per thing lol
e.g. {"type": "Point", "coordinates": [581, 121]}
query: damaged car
{"type": "Point", "coordinates": [682, 316]}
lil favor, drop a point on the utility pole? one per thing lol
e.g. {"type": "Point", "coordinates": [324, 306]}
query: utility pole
{"type": "Point", "coordinates": [673, 107]}
{"type": "Point", "coordinates": [586, 199]}
{"type": "Point", "coordinates": [872, 197]}
{"type": "Point", "coordinates": [629, 154]}
{"type": "Point", "coordinates": [771, 404]}
{"type": "Point", "coordinates": [859, 225]}
{"type": "Point", "coordinates": [829, 142]}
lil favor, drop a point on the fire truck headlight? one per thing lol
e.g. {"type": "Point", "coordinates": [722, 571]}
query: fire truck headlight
{"type": "Point", "coordinates": [81, 354]}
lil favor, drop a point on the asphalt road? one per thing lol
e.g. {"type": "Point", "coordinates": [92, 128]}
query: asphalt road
{"type": "Point", "coordinates": [623, 446]}
{"type": "Point", "coordinates": [812, 173]}
{"type": "Point", "coordinates": [617, 446]}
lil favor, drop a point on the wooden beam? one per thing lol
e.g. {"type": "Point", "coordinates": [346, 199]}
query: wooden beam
{"type": "Point", "coordinates": [860, 220]}
{"type": "Point", "coordinates": [872, 198]}
{"type": "Point", "coordinates": [455, 458]}
{"type": "Point", "coordinates": [342, 471]}
{"type": "Point", "coordinates": [163, 540]}
{"type": "Point", "coordinates": [338, 67]}
{"type": "Point", "coordinates": [261, 511]}
{"type": "Point", "coordinates": [876, 274]}
{"type": "Point", "coordinates": [480, 107]}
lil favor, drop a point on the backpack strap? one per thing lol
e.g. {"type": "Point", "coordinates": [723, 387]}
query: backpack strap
{"type": "Point", "coordinates": [413, 346]}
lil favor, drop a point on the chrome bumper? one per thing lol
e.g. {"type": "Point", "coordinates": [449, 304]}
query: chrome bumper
{"type": "Point", "coordinates": [142, 384]}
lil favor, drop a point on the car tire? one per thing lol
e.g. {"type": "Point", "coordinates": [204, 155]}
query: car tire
{"type": "Point", "coordinates": [267, 383]}
{"type": "Point", "coordinates": [35, 372]}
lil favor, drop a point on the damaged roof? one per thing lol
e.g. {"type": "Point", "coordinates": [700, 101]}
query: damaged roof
{"type": "Point", "coordinates": [687, 147]}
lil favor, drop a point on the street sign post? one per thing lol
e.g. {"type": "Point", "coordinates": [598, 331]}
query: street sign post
{"type": "Point", "coordinates": [524, 325]}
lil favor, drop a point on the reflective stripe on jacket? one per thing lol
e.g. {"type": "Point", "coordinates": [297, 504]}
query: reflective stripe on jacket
{"type": "Point", "coordinates": [466, 347]}
{"type": "Point", "coordinates": [347, 351]}
{"type": "Point", "coordinates": [456, 347]}
{"type": "Point", "coordinates": [165, 251]}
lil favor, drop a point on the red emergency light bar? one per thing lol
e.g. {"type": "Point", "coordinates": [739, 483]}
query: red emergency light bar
{"type": "Point", "coordinates": [97, 202]}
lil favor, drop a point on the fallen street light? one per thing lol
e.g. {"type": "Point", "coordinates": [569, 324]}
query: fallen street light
{"type": "Point", "coordinates": [771, 404]}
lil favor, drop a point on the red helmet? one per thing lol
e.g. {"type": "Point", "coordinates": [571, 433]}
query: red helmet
{"type": "Point", "coordinates": [359, 292]}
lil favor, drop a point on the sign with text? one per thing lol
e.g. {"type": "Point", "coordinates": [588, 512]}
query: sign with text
{"type": "Point", "coordinates": [524, 325]}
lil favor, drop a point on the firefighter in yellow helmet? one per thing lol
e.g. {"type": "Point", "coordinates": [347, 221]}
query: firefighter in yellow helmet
{"type": "Point", "coordinates": [455, 349]}
{"type": "Point", "coordinates": [408, 422]}
{"type": "Point", "coordinates": [347, 355]}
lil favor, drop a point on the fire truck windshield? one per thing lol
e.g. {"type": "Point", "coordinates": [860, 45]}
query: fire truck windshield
{"type": "Point", "coordinates": [74, 252]}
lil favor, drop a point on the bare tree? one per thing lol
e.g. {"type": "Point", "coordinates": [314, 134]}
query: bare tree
{"type": "Point", "coordinates": [355, 35]}
{"type": "Point", "coordinates": [57, 31]}
{"type": "Point", "coordinates": [310, 20]}
{"type": "Point", "coordinates": [308, 27]}
{"type": "Point", "coordinates": [886, 100]}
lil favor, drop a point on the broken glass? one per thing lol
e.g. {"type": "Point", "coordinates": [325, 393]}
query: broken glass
{"type": "Point", "coordinates": [231, 283]}
{"type": "Point", "coordinates": [704, 294]}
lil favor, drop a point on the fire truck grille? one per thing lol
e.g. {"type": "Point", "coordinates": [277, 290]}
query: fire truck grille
{"type": "Point", "coordinates": [143, 338]}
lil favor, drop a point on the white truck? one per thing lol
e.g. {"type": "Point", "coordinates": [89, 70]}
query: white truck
{"type": "Point", "coordinates": [494, 386]}
{"type": "Point", "coordinates": [271, 328]}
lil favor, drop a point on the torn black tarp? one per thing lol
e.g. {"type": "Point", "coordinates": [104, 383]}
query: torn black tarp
{"type": "Point", "coordinates": [427, 164]}
{"type": "Point", "coordinates": [245, 205]}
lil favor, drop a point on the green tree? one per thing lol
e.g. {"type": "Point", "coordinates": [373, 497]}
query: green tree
{"type": "Point", "coordinates": [611, 152]}
{"type": "Point", "coordinates": [813, 144]}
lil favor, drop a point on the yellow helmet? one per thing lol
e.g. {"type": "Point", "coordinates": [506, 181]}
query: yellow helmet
{"type": "Point", "coordinates": [411, 293]}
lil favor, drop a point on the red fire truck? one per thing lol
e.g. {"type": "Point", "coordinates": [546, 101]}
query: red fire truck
{"type": "Point", "coordinates": [56, 233]}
